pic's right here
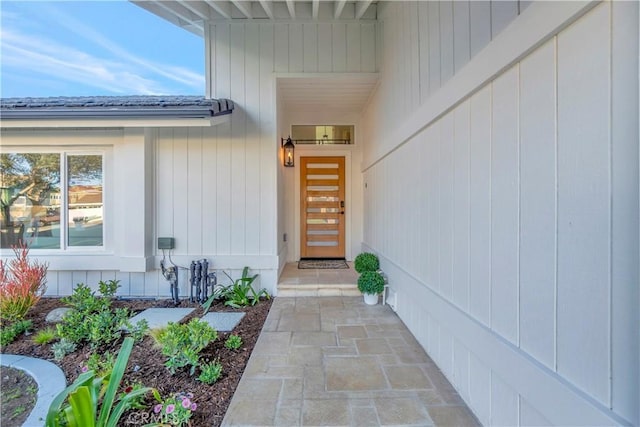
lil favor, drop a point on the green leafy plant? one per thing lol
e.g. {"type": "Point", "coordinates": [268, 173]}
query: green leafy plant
{"type": "Point", "coordinates": [91, 400]}
{"type": "Point", "coordinates": [10, 332]}
{"type": "Point", "coordinates": [101, 364]}
{"type": "Point", "coordinates": [91, 318]}
{"type": "Point", "coordinates": [241, 293]}
{"type": "Point", "coordinates": [22, 284]}
{"type": "Point", "coordinates": [182, 343]}
{"type": "Point", "coordinates": [84, 300]}
{"type": "Point", "coordinates": [371, 282]}
{"type": "Point", "coordinates": [62, 348]}
{"type": "Point", "coordinates": [139, 330]}
{"type": "Point", "coordinates": [366, 261]}
{"type": "Point", "coordinates": [175, 410]}
{"type": "Point", "coordinates": [109, 288]}
{"type": "Point", "coordinates": [210, 372]}
{"type": "Point", "coordinates": [44, 336]}
{"type": "Point", "coordinates": [234, 342]}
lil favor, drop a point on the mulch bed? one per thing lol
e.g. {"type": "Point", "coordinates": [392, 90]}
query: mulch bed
{"type": "Point", "coordinates": [146, 363]}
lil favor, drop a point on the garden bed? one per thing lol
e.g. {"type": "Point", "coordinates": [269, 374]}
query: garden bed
{"type": "Point", "coordinates": [146, 364]}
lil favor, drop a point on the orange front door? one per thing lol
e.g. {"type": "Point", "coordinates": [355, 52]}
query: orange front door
{"type": "Point", "coordinates": [322, 205]}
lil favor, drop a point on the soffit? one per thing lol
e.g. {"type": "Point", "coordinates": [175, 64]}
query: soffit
{"type": "Point", "coordinates": [346, 94]}
{"type": "Point", "coordinates": [194, 15]}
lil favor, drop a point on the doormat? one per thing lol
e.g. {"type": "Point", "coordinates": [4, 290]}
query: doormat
{"type": "Point", "coordinates": [305, 264]}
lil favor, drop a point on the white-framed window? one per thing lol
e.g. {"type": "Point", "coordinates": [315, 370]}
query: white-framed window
{"type": "Point", "coordinates": [53, 199]}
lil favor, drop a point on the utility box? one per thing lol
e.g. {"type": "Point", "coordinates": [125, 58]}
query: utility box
{"type": "Point", "coordinates": [166, 243]}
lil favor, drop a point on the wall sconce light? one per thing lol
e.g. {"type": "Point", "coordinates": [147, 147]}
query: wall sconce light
{"type": "Point", "coordinates": [288, 148]}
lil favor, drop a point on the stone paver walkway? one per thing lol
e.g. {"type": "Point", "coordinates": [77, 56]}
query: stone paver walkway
{"type": "Point", "coordinates": [329, 361]}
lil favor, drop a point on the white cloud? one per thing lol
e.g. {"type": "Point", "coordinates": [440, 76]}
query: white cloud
{"type": "Point", "coordinates": [42, 56]}
{"type": "Point", "coordinates": [178, 74]}
{"type": "Point", "coordinates": [32, 51]}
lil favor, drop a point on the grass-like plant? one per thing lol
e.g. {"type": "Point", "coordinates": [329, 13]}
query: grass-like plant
{"type": "Point", "coordinates": [22, 284]}
{"type": "Point", "coordinates": [234, 342]}
{"type": "Point", "coordinates": [182, 343]}
{"type": "Point", "coordinates": [91, 401]}
{"type": "Point", "coordinates": [44, 336]}
{"type": "Point", "coordinates": [210, 372]}
{"type": "Point", "coordinates": [366, 261]}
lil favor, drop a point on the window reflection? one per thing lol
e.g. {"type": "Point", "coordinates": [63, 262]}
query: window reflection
{"type": "Point", "coordinates": [30, 200]}
{"type": "Point", "coordinates": [85, 211]}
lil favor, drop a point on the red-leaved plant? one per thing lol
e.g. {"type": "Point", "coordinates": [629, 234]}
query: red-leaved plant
{"type": "Point", "coordinates": [22, 283]}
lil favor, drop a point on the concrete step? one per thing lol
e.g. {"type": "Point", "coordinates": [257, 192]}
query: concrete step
{"type": "Point", "coordinates": [318, 290]}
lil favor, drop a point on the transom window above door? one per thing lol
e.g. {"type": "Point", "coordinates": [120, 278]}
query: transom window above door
{"type": "Point", "coordinates": [322, 134]}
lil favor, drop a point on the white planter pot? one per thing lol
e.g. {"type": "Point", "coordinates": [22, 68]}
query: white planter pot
{"type": "Point", "coordinates": [370, 299]}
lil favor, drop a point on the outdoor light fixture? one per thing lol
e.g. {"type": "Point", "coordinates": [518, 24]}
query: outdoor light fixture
{"type": "Point", "coordinates": [288, 148]}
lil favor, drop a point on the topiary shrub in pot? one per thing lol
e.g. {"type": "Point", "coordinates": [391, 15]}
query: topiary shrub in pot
{"type": "Point", "coordinates": [371, 284]}
{"type": "Point", "coordinates": [366, 261]}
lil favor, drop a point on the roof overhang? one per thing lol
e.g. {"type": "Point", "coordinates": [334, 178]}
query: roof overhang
{"type": "Point", "coordinates": [113, 112]}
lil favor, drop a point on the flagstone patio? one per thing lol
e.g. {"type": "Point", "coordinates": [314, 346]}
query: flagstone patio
{"type": "Point", "coordinates": [327, 361]}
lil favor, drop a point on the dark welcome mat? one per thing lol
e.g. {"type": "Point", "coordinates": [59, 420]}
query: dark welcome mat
{"type": "Point", "coordinates": [305, 264]}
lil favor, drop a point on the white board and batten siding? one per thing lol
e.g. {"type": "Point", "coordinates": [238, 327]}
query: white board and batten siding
{"type": "Point", "coordinates": [523, 282]}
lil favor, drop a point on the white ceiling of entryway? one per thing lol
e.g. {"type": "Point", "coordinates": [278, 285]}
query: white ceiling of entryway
{"type": "Point", "coordinates": [348, 94]}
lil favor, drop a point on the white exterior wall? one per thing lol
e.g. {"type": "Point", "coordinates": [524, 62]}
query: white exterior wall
{"type": "Point", "coordinates": [244, 61]}
{"type": "Point", "coordinates": [514, 255]}
{"type": "Point", "coordinates": [217, 190]}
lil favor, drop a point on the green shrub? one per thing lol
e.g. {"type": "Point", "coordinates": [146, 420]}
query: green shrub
{"type": "Point", "coordinates": [84, 300]}
{"type": "Point", "coordinates": [366, 261]}
{"type": "Point", "coordinates": [44, 336]}
{"type": "Point", "coordinates": [210, 372]}
{"type": "Point", "coordinates": [139, 330]}
{"type": "Point", "coordinates": [182, 343]}
{"type": "Point", "coordinates": [10, 332]}
{"type": "Point", "coordinates": [91, 319]}
{"type": "Point", "coordinates": [371, 282]}
{"type": "Point", "coordinates": [233, 342]}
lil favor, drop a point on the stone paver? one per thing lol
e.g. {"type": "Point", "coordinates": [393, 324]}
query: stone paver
{"type": "Point", "coordinates": [323, 361]}
{"type": "Point", "coordinates": [223, 321]}
{"type": "Point", "coordinates": [160, 317]}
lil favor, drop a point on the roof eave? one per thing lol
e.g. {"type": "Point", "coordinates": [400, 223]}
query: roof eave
{"type": "Point", "coordinates": [129, 121]}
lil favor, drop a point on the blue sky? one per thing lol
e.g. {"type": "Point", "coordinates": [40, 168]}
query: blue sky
{"type": "Point", "coordinates": [84, 48]}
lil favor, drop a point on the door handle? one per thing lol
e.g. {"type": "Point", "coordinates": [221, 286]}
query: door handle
{"type": "Point", "coordinates": [342, 206]}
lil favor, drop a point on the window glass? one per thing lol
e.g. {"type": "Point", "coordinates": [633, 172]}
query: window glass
{"type": "Point", "coordinates": [30, 199]}
{"type": "Point", "coordinates": [85, 208]}
{"type": "Point", "coordinates": [51, 200]}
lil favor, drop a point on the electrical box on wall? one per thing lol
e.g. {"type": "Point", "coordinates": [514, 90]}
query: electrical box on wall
{"type": "Point", "coordinates": [166, 243]}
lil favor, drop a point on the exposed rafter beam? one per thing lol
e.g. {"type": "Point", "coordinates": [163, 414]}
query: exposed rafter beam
{"type": "Point", "coordinates": [222, 9]}
{"type": "Point", "coordinates": [337, 8]}
{"type": "Point", "coordinates": [361, 8]}
{"type": "Point", "coordinates": [181, 12]}
{"type": "Point", "coordinates": [196, 7]}
{"type": "Point", "coordinates": [268, 9]}
{"type": "Point", "coordinates": [315, 5]}
{"type": "Point", "coordinates": [243, 7]}
{"type": "Point", "coordinates": [292, 8]}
